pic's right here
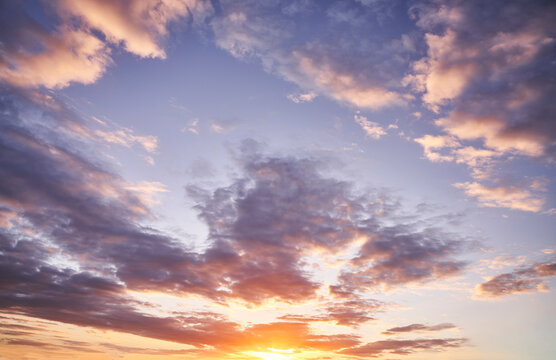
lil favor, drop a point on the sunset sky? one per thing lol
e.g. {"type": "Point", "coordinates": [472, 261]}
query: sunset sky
{"type": "Point", "coordinates": [278, 179]}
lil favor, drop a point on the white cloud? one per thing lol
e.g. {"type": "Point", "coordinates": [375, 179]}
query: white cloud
{"type": "Point", "coordinates": [372, 129]}
{"type": "Point", "coordinates": [301, 98]}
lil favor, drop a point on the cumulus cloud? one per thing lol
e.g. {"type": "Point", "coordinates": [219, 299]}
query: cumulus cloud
{"type": "Point", "coordinates": [138, 25]}
{"type": "Point", "coordinates": [34, 54]}
{"type": "Point", "coordinates": [486, 76]}
{"type": "Point", "coordinates": [66, 54]}
{"type": "Point", "coordinates": [431, 144]}
{"type": "Point", "coordinates": [521, 280]}
{"type": "Point", "coordinates": [283, 210]}
{"type": "Point", "coordinates": [398, 255]}
{"type": "Point", "coordinates": [474, 51]}
{"type": "Point", "coordinates": [262, 227]}
{"type": "Point", "coordinates": [69, 208]}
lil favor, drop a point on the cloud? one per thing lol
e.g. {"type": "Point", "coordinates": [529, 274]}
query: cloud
{"type": "Point", "coordinates": [524, 280]}
{"type": "Point", "coordinates": [404, 347]}
{"type": "Point", "coordinates": [372, 129]}
{"type": "Point", "coordinates": [220, 126]}
{"type": "Point", "coordinates": [66, 54]}
{"type": "Point", "coordinates": [78, 244]}
{"type": "Point", "coordinates": [283, 210]}
{"type": "Point", "coordinates": [512, 197]}
{"type": "Point", "coordinates": [446, 148]}
{"type": "Point", "coordinates": [432, 143]}
{"type": "Point", "coordinates": [127, 138]}
{"type": "Point", "coordinates": [149, 351]}
{"type": "Point", "coordinates": [418, 328]}
{"type": "Point", "coordinates": [474, 50]}
{"type": "Point", "coordinates": [242, 33]}
{"type": "Point", "coordinates": [192, 127]}
{"type": "Point", "coordinates": [147, 190]}
{"type": "Point", "coordinates": [396, 255]}
{"type": "Point", "coordinates": [315, 69]}
{"type": "Point", "coordinates": [35, 54]}
{"type": "Point", "coordinates": [138, 25]}
{"type": "Point", "coordinates": [474, 53]}
{"type": "Point", "coordinates": [503, 261]}
{"type": "Point", "coordinates": [353, 312]}
{"type": "Point", "coordinates": [81, 298]}
{"type": "Point", "coordinates": [302, 97]}
{"type": "Point", "coordinates": [318, 65]}
{"type": "Point", "coordinates": [469, 127]}
{"type": "Point", "coordinates": [256, 217]}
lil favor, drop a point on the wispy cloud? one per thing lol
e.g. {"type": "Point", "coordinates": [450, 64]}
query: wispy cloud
{"type": "Point", "coordinates": [418, 328]}
{"type": "Point", "coordinates": [255, 30]}
{"type": "Point", "coordinates": [372, 129]}
{"type": "Point", "coordinates": [302, 97]}
{"type": "Point", "coordinates": [512, 197]}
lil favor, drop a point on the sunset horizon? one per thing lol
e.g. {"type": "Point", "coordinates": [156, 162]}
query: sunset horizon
{"type": "Point", "coordinates": [277, 179]}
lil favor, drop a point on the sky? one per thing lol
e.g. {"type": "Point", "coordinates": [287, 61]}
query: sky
{"type": "Point", "coordinates": [277, 179]}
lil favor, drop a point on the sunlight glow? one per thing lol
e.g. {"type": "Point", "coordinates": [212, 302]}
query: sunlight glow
{"type": "Point", "coordinates": [276, 354]}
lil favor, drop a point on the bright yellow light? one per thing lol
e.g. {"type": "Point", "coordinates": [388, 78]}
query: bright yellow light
{"type": "Point", "coordinates": [286, 351]}
{"type": "Point", "coordinates": [276, 354]}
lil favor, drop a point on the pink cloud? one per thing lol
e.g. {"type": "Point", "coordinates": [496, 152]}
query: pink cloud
{"type": "Point", "coordinates": [512, 197]}
{"type": "Point", "coordinates": [138, 25]}
{"type": "Point", "coordinates": [67, 55]}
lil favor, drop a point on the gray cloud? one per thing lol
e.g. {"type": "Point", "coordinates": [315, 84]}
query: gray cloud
{"type": "Point", "coordinates": [490, 62]}
{"type": "Point", "coordinates": [529, 279]}
{"type": "Point", "coordinates": [404, 347]}
{"type": "Point", "coordinates": [418, 328]}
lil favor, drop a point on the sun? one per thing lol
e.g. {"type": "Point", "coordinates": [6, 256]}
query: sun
{"type": "Point", "coordinates": [274, 354]}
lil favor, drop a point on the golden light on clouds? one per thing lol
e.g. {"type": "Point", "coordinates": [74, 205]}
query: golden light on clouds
{"type": "Point", "coordinates": [277, 180]}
